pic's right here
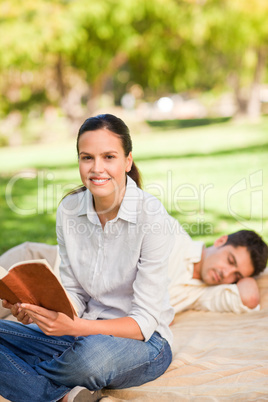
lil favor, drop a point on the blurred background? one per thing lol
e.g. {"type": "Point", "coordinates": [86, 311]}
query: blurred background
{"type": "Point", "coordinates": [190, 79]}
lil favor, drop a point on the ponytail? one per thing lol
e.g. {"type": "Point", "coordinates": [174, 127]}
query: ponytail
{"type": "Point", "coordinates": [135, 175]}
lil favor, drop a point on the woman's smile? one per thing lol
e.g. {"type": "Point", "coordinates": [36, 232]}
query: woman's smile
{"type": "Point", "coordinates": [99, 181]}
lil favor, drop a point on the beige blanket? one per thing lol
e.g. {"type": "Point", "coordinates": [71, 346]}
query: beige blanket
{"type": "Point", "coordinates": [216, 357]}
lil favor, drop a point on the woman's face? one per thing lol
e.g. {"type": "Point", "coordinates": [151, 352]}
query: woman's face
{"type": "Point", "coordinates": [103, 164]}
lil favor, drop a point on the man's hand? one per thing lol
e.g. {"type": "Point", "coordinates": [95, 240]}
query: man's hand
{"type": "Point", "coordinates": [249, 292]}
{"type": "Point", "coordinates": [18, 312]}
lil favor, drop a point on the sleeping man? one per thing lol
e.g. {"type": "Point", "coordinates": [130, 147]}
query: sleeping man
{"type": "Point", "coordinates": [216, 278]}
{"type": "Point", "coordinates": [219, 277]}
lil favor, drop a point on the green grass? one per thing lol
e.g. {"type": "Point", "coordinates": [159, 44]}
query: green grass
{"type": "Point", "coordinates": [185, 123]}
{"type": "Point", "coordinates": [211, 178]}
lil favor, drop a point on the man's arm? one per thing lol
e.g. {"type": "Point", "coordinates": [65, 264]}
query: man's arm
{"type": "Point", "coordinates": [249, 292]}
{"type": "Point", "coordinates": [221, 298]}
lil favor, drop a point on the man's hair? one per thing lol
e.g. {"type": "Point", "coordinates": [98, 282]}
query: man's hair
{"type": "Point", "coordinates": [256, 247]}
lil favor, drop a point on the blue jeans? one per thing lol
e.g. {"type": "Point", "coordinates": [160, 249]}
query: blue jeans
{"type": "Point", "coordinates": [36, 367]}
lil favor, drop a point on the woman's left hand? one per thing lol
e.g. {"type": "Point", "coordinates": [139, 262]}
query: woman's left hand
{"type": "Point", "coordinates": [51, 322]}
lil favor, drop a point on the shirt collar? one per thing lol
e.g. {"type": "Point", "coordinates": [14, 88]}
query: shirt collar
{"type": "Point", "coordinates": [128, 207]}
{"type": "Point", "coordinates": [194, 252]}
{"type": "Point", "coordinates": [87, 207]}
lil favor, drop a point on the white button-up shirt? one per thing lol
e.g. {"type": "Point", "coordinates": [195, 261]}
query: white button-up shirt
{"type": "Point", "coordinates": [121, 270]}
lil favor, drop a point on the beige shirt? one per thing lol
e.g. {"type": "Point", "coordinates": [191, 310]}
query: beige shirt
{"type": "Point", "coordinates": [188, 293]}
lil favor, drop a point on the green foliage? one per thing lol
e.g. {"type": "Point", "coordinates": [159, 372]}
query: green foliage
{"type": "Point", "coordinates": [162, 45]}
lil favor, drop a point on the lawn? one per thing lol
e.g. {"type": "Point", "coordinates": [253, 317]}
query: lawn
{"type": "Point", "coordinates": [211, 178]}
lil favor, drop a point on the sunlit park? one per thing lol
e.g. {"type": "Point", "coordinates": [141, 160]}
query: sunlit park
{"type": "Point", "coordinates": [154, 314]}
{"type": "Point", "coordinates": [189, 78]}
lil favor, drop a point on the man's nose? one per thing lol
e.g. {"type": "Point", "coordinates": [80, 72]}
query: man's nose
{"type": "Point", "coordinates": [228, 270]}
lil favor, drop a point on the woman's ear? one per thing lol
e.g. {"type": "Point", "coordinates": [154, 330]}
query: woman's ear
{"type": "Point", "coordinates": [129, 162]}
{"type": "Point", "coordinates": [220, 241]}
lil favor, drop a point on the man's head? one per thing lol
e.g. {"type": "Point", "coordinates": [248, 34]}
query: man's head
{"type": "Point", "coordinates": [233, 257]}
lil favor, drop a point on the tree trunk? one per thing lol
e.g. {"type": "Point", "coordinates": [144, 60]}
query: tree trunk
{"type": "Point", "coordinates": [99, 84]}
{"type": "Point", "coordinates": [240, 97]}
{"type": "Point", "coordinates": [59, 76]}
{"type": "Point", "coordinates": [254, 102]}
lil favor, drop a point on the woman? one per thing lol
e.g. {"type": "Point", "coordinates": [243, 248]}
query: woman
{"type": "Point", "coordinates": [114, 247]}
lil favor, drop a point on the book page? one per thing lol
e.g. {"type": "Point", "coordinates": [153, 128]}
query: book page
{"type": "Point", "coordinates": [3, 272]}
{"type": "Point", "coordinates": [42, 261]}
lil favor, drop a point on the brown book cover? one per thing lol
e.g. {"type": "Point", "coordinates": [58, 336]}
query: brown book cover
{"type": "Point", "coordinates": [34, 282]}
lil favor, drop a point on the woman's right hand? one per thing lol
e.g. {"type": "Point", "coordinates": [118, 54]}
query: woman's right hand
{"type": "Point", "coordinates": [17, 312]}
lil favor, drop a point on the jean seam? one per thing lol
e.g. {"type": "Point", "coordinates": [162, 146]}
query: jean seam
{"type": "Point", "coordinates": [14, 363]}
{"type": "Point", "coordinates": [50, 341]}
{"type": "Point", "coordinates": [159, 354]}
{"type": "Point", "coordinates": [160, 351]}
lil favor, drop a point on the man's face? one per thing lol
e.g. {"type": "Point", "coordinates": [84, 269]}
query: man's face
{"type": "Point", "coordinates": [225, 264]}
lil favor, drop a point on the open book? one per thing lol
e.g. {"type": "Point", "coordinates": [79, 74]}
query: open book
{"type": "Point", "coordinates": [34, 282]}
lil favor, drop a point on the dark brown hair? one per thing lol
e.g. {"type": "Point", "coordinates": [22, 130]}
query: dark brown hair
{"type": "Point", "coordinates": [256, 247]}
{"type": "Point", "coordinates": [117, 127]}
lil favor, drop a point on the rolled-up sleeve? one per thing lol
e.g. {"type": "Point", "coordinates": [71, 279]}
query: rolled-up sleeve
{"type": "Point", "coordinates": [221, 298]}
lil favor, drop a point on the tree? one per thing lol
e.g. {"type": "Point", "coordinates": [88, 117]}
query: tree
{"type": "Point", "coordinates": [35, 37]}
{"type": "Point", "coordinates": [236, 46]}
{"type": "Point", "coordinates": [162, 45]}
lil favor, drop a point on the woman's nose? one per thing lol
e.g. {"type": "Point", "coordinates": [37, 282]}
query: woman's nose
{"type": "Point", "coordinates": [98, 165]}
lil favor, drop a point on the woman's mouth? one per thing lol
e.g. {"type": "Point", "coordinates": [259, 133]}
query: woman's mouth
{"type": "Point", "coordinates": [99, 182]}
